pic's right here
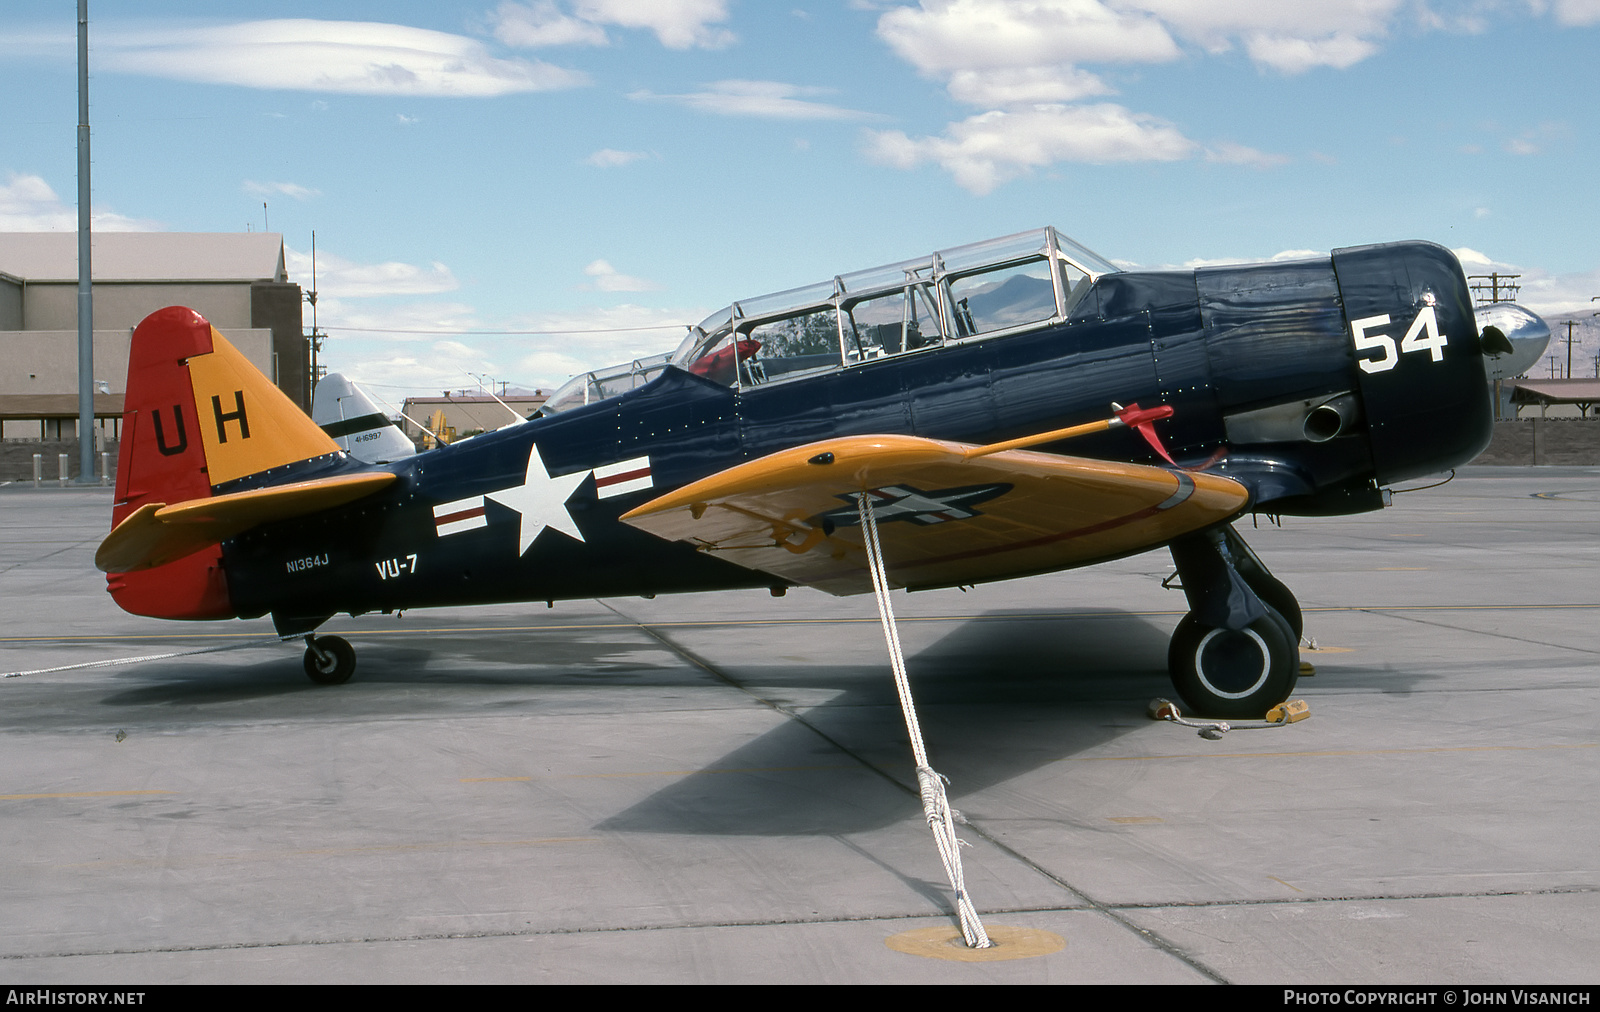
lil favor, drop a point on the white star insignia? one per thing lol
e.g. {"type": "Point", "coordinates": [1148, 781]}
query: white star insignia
{"type": "Point", "coordinates": [541, 500]}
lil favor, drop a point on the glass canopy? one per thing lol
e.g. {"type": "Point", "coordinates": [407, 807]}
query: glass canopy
{"type": "Point", "coordinates": [982, 289]}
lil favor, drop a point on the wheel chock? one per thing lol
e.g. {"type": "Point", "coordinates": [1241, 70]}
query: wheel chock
{"type": "Point", "coordinates": [1282, 715]}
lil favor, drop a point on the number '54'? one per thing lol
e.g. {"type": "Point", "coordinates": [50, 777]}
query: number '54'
{"type": "Point", "coordinates": [1424, 335]}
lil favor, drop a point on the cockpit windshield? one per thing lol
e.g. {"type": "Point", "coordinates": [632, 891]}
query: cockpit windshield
{"type": "Point", "coordinates": [1030, 279]}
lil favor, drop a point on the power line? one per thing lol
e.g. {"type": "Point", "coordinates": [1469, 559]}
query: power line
{"type": "Point", "coordinates": [523, 333]}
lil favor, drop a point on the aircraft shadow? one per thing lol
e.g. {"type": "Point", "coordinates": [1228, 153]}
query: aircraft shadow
{"type": "Point", "coordinates": [1000, 695]}
{"type": "Point", "coordinates": [443, 659]}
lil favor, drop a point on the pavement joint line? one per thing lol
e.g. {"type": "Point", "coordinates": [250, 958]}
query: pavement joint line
{"type": "Point", "coordinates": [1481, 632]}
{"type": "Point", "coordinates": [78, 794]}
{"type": "Point", "coordinates": [1329, 752]}
{"type": "Point", "coordinates": [659, 773]}
{"type": "Point", "coordinates": [788, 921]}
{"type": "Point", "coordinates": [277, 855]}
{"type": "Point", "coordinates": [1152, 938]}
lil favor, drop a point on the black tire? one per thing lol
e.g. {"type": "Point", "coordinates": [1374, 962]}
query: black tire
{"type": "Point", "coordinates": [1234, 675]}
{"type": "Point", "coordinates": [331, 662]}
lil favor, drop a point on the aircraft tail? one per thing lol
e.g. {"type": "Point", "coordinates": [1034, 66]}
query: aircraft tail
{"type": "Point", "coordinates": [350, 418]}
{"type": "Point", "coordinates": [198, 418]}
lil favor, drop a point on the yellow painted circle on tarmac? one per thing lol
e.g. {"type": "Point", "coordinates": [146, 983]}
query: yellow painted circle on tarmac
{"type": "Point", "coordinates": [945, 942]}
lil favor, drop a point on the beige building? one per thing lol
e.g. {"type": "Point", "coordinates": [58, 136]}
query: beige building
{"type": "Point", "coordinates": [235, 280]}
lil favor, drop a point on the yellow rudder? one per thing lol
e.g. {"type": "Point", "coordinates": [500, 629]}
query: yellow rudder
{"type": "Point", "coordinates": [246, 424]}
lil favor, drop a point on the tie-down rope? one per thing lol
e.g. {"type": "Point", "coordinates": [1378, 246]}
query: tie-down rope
{"type": "Point", "coordinates": [115, 661]}
{"type": "Point", "coordinates": [935, 805]}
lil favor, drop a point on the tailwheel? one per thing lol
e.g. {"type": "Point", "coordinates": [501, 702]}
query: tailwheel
{"type": "Point", "coordinates": [330, 660]}
{"type": "Point", "coordinates": [1234, 674]}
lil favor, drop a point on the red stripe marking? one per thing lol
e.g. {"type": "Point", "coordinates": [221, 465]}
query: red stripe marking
{"type": "Point", "coordinates": [467, 514]}
{"type": "Point", "coordinates": [642, 472]}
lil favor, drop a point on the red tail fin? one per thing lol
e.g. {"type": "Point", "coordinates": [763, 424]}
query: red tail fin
{"type": "Point", "coordinates": [197, 415]}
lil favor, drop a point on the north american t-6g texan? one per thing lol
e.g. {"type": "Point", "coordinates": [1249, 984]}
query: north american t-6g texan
{"type": "Point", "coordinates": [991, 411]}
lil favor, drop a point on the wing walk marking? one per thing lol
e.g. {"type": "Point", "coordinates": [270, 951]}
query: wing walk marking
{"type": "Point", "coordinates": [459, 515]}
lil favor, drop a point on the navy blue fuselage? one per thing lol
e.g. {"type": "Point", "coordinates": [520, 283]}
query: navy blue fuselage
{"type": "Point", "coordinates": [1271, 380]}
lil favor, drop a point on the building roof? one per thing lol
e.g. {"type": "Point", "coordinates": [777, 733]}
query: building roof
{"type": "Point", "coordinates": [1557, 391]}
{"type": "Point", "coordinates": [537, 398]}
{"type": "Point", "coordinates": [146, 256]}
{"type": "Point", "coordinates": [31, 406]}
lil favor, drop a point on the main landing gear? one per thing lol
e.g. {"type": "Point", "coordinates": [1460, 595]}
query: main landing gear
{"type": "Point", "coordinates": [330, 660]}
{"type": "Point", "coordinates": [1237, 653]}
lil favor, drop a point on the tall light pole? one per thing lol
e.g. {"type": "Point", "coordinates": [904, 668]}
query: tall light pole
{"type": "Point", "coordinates": [85, 284]}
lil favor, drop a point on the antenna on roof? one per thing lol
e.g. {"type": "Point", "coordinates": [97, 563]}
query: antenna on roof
{"type": "Point", "coordinates": [488, 389]}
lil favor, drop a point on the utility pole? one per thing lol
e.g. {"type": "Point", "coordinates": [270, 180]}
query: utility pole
{"type": "Point", "coordinates": [317, 337]}
{"type": "Point", "coordinates": [85, 276]}
{"type": "Point", "coordinates": [1496, 283]}
{"type": "Point", "coordinates": [1569, 324]}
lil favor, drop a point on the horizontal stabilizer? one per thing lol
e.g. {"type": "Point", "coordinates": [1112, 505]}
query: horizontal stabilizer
{"type": "Point", "coordinates": [156, 533]}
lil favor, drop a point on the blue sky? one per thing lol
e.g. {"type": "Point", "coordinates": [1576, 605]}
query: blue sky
{"type": "Point", "coordinates": [602, 165]}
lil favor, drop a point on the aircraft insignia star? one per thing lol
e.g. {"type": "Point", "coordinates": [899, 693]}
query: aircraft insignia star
{"type": "Point", "coordinates": [541, 500]}
{"type": "Point", "coordinates": [902, 502]}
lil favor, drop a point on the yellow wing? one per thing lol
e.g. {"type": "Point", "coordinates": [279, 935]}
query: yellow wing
{"type": "Point", "coordinates": [948, 513]}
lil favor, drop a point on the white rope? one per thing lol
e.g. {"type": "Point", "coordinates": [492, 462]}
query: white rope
{"type": "Point", "coordinates": [114, 662]}
{"type": "Point", "coordinates": [935, 805]}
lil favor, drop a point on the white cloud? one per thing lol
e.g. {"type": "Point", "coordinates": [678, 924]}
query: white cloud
{"type": "Point", "coordinates": [679, 24]}
{"type": "Point", "coordinates": [543, 24]}
{"type": "Point", "coordinates": [986, 150]}
{"type": "Point", "coordinates": [1537, 138]}
{"type": "Point", "coordinates": [29, 204]}
{"type": "Point", "coordinates": [1010, 86]}
{"type": "Point", "coordinates": [1228, 153]}
{"type": "Point", "coordinates": [341, 278]}
{"type": "Point", "coordinates": [606, 279]}
{"type": "Point", "coordinates": [944, 36]}
{"type": "Point", "coordinates": [1288, 254]}
{"type": "Point", "coordinates": [1290, 38]}
{"type": "Point", "coordinates": [1549, 295]}
{"type": "Point", "coordinates": [1293, 55]}
{"type": "Point", "coordinates": [765, 99]}
{"type": "Point", "coordinates": [610, 158]}
{"type": "Point", "coordinates": [294, 190]}
{"type": "Point", "coordinates": [955, 37]}
{"type": "Point", "coordinates": [1577, 12]}
{"type": "Point", "coordinates": [358, 57]}
{"type": "Point", "coordinates": [573, 346]}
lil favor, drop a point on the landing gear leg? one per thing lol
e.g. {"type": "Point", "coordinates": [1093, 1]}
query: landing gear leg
{"type": "Point", "coordinates": [329, 660]}
{"type": "Point", "coordinates": [1234, 656]}
{"type": "Point", "coordinates": [1272, 591]}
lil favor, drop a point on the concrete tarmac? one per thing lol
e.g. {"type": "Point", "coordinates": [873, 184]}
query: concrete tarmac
{"type": "Point", "coordinates": [717, 788]}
